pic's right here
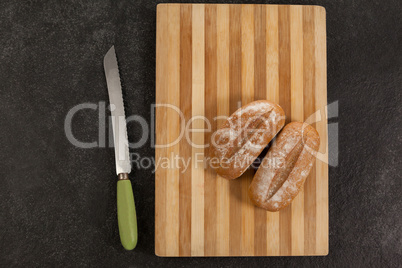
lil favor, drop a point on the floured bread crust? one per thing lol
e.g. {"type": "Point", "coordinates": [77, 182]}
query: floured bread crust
{"type": "Point", "coordinates": [286, 166]}
{"type": "Point", "coordinates": [244, 135]}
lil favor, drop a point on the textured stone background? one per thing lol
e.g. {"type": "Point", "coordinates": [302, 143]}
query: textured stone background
{"type": "Point", "coordinates": [58, 201]}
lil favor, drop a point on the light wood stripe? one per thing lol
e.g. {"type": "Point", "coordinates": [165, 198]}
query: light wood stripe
{"type": "Point", "coordinates": [161, 126]}
{"type": "Point", "coordinates": [296, 66]}
{"type": "Point", "coordinates": [272, 56]}
{"type": "Point", "coordinates": [247, 92]}
{"type": "Point", "coordinates": [197, 168]}
{"type": "Point", "coordinates": [173, 119]}
{"type": "Point", "coordinates": [297, 114]}
{"type": "Point", "coordinates": [284, 60]}
{"type": "Point", "coordinates": [235, 99]}
{"type": "Point", "coordinates": [285, 215]}
{"type": "Point", "coordinates": [272, 53]}
{"type": "Point", "coordinates": [210, 60]}
{"type": "Point", "coordinates": [210, 114]}
{"type": "Point", "coordinates": [247, 53]}
{"type": "Point", "coordinates": [185, 147]}
{"type": "Point", "coordinates": [309, 109]}
{"type": "Point", "coordinates": [222, 185]}
{"type": "Point", "coordinates": [321, 97]}
{"type": "Point", "coordinates": [273, 242]}
{"type": "Point", "coordinates": [260, 215]}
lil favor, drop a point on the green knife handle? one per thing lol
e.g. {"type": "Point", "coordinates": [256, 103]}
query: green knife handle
{"type": "Point", "coordinates": [126, 213]}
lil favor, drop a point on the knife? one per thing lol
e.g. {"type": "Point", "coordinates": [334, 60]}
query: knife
{"type": "Point", "coordinates": [126, 214]}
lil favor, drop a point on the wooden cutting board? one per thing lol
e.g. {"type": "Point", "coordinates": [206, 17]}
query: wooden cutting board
{"type": "Point", "coordinates": [210, 60]}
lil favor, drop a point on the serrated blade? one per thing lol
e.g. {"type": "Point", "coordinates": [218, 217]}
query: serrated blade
{"type": "Point", "coordinates": [122, 156]}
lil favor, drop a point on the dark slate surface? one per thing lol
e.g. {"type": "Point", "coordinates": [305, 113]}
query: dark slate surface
{"type": "Point", "coordinates": [58, 201]}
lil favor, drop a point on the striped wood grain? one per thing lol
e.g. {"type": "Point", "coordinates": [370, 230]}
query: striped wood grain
{"type": "Point", "coordinates": [210, 60]}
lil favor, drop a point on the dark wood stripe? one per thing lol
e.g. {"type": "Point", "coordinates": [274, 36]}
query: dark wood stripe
{"type": "Point", "coordinates": [210, 213]}
{"type": "Point", "coordinates": [309, 109]}
{"type": "Point", "coordinates": [185, 147]}
{"type": "Point", "coordinates": [285, 215]}
{"type": "Point", "coordinates": [260, 215]}
{"type": "Point", "coordinates": [235, 99]}
{"type": "Point", "coordinates": [260, 53]}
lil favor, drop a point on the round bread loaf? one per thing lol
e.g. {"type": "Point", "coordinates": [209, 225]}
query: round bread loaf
{"type": "Point", "coordinates": [243, 136]}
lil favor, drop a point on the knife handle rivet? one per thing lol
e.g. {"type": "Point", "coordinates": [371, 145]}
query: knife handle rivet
{"type": "Point", "coordinates": [123, 176]}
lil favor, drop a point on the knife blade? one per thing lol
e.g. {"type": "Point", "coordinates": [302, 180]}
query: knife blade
{"type": "Point", "coordinates": [126, 213]}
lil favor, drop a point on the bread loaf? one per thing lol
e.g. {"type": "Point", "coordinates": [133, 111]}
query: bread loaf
{"type": "Point", "coordinates": [243, 136]}
{"type": "Point", "coordinates": [286, 166]}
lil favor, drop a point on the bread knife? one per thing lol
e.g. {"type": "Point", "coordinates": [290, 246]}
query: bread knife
{"type": "Point", "coordinates": [126, 215]}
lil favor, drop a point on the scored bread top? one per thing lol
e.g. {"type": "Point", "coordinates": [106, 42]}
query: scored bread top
{"type": "Point", "coordinates": [244, 135]}
{"type": "Point", "coordinates": [285, 167]}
